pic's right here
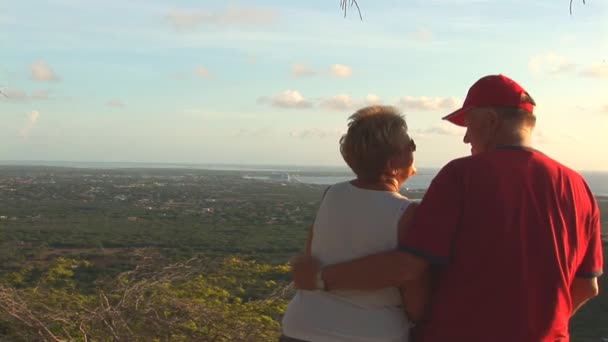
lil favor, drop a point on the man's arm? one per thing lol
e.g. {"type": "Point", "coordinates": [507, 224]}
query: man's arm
{"type": "Point", "coordinates": [584, 286]}
{"type": "Point", "coordinates": [581, 290]}
{"type": "Point", "coordinates": [429, 240]}
{"type": "Point", "coordinates": [374, 272]}
{"type": "Point", "coordinates": [391, 268]}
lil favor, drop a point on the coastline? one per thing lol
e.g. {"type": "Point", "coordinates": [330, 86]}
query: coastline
{"type": "Point", "coordinates": [319, 175]}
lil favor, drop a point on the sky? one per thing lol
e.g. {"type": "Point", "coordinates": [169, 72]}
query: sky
{"type": "Point", "coordinates": [274, 81]}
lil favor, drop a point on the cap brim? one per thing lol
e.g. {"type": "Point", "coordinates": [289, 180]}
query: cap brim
{"type": "Point", "coordinates": [457, 117]}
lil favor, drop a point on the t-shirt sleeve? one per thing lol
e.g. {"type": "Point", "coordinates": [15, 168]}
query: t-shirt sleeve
{"type": "Point", "coordinates": [593, 261]}
{"type": "Point", "coordinates": [434, 225]}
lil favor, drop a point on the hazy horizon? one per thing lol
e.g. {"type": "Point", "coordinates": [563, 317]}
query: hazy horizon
{"type": "Point", "coordinates": [270, 82]}
{"type": "Point", "coordinates": [235, 165]}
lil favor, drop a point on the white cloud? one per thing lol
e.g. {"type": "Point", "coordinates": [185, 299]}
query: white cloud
{"type": "Point", "coordinates": [41, 71]}
{"type": "Point", "coordinates": [233, 16]}
{"type": "Point", "coordinates": [372, 99]}
{"type": "Point", "coordinates": [203, 72]}
{"type": "Point", "coordinates": [604, 110]}
{"type": "Point", "coordinates": [596, 71]}
{"type": "Point", "coordinates": [34, 116]}
{"type": "Point", "coordinates": [31, 121]}
{"type": "Point", "coordinates": [18, 95]}
{"type": "Point", "coordinates": [291, 99]}
{"type": "Point", "coordinates": [116, 103]}
{"type": "Point", "coordinates": [340, 70]}
{"type": "Point", "coordinates": [11, 94]}
{"type": "Point", "coordinates": [440, 129]}
{"type": "Point", "coordinates": [421, 35]}
{"type": "Point", "coordinates": [343, 102]}
{"type": "Point", "coordinates": [424, 103]}
{"type": "Point", "coordinates": [339, 102]}
{"type": "Point", "coordinates": [550, 63]}
{"type": "Point", "coordinates": [316, 133]}
{"type": "Point", "coordinates": [254, 132]}
{"type": "Point", "coordinates": [40, 95]}
{"type": "Point", "coordinates": [208, 114]}
{"type": "Point", "coordinates": [301, 70]}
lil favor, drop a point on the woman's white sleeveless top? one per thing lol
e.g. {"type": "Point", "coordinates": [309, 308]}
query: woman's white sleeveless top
{"type": "Point", "coordinates": [351, 223]}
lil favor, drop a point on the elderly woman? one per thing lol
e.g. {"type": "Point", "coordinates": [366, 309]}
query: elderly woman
{"type": "Point", "coordinates": [355, 219]}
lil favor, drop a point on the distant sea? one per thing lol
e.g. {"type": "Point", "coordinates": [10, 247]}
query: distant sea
{"type": "Point", "coordinates": [598, 181]}
{"type": "Point", "coordinates": [324, 175]}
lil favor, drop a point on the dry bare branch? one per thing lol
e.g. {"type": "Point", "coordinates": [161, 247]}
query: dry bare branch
{"type": "Point", "coordinates": [571, 5]}
{"type": "Point", "coordinates": [134, 307]}
{"type": "Point", "coordinates": [344, 4]}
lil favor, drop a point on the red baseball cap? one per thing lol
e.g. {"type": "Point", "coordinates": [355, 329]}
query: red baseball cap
{"type": "Point", "coordinates": [492, 90]}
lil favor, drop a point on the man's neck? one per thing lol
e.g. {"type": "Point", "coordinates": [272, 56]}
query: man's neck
{"type": "Point", "coordinates": [521, 137]}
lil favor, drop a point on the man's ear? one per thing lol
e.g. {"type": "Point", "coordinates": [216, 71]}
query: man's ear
{"type": "Point", "coordinates": [492, 119]}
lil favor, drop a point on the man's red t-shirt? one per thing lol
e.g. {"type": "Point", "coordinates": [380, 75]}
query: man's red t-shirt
{"type": "Point", "coordinates": [510, 229]}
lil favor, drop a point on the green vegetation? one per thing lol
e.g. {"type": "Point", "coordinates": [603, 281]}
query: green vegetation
{"type": "Point", "coordinates": [146, 255]}
{"type": "Point", "coordinates": [231, 300]}
{"type": "Point", "coordinates": [160, 255]}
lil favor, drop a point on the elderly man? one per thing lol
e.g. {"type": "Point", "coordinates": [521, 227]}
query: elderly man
{"type": "Point", "coordinates": [512, 235]}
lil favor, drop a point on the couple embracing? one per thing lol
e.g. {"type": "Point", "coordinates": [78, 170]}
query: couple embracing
{"type": "Point", "coordinates": [504, 246]}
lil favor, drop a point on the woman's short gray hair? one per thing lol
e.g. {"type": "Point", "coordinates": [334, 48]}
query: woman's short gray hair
{"type": "Point", "coordinates": [375, 135]}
